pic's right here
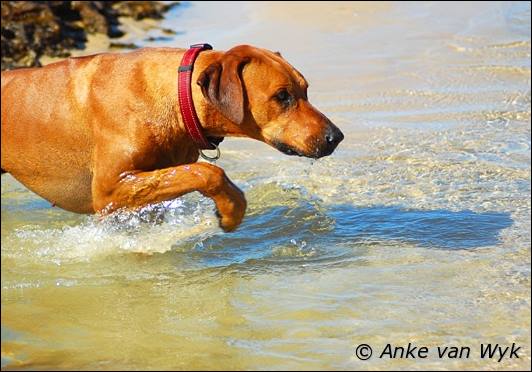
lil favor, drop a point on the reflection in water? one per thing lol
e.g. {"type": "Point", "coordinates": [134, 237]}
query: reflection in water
{"type": "Point", "coordinates": [315, 236]}
{"type": "Point", "coordinates": [439, 228]}
{"type": "Point", "coordinates": [417, 229]}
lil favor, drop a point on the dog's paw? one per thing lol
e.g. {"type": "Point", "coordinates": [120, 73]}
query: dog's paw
{"type": "Point", "coordinates": [231, 208]}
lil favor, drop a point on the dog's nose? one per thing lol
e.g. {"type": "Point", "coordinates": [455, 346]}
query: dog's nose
{"type": "Point", "coordinates": [333, 136]}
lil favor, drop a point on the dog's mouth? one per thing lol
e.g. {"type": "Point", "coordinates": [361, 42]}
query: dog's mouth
{"type": "Point", "coordinates": [288, 150]}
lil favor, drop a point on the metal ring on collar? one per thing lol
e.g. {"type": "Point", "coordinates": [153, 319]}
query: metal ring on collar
{"type": "Point", "coordinates": [209, 158]}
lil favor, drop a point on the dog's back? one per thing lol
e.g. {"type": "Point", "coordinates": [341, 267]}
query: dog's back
{"type": "Point", "coordinates": [52, 114]}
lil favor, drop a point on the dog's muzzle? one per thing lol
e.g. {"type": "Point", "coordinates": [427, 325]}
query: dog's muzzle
{"type": "Point", "coordinates": [333, 136]}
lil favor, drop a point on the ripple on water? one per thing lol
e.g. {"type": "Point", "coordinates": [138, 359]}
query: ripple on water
{"type": "Point", "coordinates": [417, 227]}
{"type": "Point", "coordinates": [281, 227]}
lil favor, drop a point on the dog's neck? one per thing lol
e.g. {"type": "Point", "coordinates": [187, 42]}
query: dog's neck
{"type": "Point", "coordinates": [213, 122]}
{"type": "Point", "coordinates": [164, 91]}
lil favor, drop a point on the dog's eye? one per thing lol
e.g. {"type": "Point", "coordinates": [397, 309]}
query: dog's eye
{"type": "Point", "coordinates": [283, 97]}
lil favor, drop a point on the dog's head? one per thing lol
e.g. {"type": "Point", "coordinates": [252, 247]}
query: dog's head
{"type": "Point", "coordinates": [266, 98]}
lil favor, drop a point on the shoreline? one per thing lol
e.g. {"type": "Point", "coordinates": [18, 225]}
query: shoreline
{"type": "Point", "coordinates": [37, 33]}
{"type": "Point", "coordinates": [133, 29]}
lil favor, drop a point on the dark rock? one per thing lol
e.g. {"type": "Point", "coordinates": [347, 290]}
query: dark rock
{"type": "Point", "coordinates": [91, 16]}
{"type": "Point", "coordinates": [114, 45]}
{"type": "Point", "coordinates": [168, 31]}
{"type": "Point", "coordinates": [31, 29]}
{"type": "Point", "coordinates": [142, 9]}
{"type": "Point", "coordinates": [158, 38]}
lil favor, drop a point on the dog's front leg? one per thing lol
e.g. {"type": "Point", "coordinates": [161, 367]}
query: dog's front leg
{"type": "Point", "coordinates": [136, 189]}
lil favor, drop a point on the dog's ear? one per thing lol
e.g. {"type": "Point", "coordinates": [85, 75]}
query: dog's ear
{"type": "Point", "coordinates": [221, 84]}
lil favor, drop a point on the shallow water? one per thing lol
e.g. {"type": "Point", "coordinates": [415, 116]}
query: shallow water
{"type": "Point", "coordinates": [417, 229]}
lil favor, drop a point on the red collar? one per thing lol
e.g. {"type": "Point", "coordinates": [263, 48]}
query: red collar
{"type": "Point", "coordinates": [186, 104]}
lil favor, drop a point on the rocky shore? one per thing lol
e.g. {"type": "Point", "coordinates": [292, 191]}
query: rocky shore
{"type": "Point", "coordinates": [33, 29]}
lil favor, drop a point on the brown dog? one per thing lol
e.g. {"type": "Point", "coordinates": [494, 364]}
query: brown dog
{"type": "Point", "coordinates": [103, 132]}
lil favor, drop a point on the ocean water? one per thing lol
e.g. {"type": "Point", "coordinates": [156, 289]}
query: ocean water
{"type": "Point", "coordinates": [416, 230]}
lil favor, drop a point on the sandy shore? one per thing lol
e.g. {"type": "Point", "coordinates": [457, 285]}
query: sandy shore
{"type": "Point", "coordinates": [34, 32]}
